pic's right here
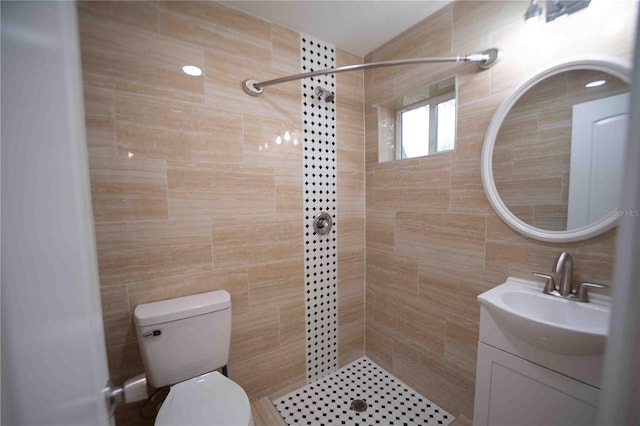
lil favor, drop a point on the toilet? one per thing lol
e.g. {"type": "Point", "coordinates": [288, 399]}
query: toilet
{"type": "Point", "coordinates": [183, 342]}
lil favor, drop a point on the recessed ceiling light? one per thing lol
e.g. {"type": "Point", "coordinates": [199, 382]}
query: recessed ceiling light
{"type": "Point", "coordinates": [595, 83]}
{"type": "Point", "coordinates": [192, 70]}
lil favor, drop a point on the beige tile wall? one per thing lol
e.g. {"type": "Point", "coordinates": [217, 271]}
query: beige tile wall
{"type": "Point", "coordinates": [199, 207]}
{"type": "Point", "coordinates": [184, 199]}
{"type": "Point", "coordinates": [433, 241]}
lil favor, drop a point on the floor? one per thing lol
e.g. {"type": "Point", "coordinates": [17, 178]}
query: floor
{"type": "Point", "coordinates": [265, 414]}
{"type": "Point", "coordinates": [339, 398]}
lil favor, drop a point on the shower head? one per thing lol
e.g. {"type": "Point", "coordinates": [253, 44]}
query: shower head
{"type": "Point", "coordinates": [324, 94]}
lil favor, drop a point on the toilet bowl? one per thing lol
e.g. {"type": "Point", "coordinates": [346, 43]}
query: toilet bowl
{"type": "Point", "coordinates": [210, 399]}
{"type": "Point", "coordinates": [183, 342]}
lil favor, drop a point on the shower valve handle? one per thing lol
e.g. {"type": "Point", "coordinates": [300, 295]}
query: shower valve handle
{"type": "Point", "coordinates": [322, 223]}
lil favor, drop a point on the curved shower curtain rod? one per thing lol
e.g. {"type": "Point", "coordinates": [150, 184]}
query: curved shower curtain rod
{"type": "Point", "coordinates": [484, 59]}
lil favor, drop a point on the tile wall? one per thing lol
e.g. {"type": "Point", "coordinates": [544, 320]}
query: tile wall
{"type": "Point", "coordinates": [433, 241]}
{"type": "Point", "coordinates": [185, 201]}
{"type": "Point", "coordinates": [190, 192]}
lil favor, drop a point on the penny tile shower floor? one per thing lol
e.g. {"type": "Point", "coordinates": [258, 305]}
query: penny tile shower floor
{"type": "Point", "coordinates": [330, 400]}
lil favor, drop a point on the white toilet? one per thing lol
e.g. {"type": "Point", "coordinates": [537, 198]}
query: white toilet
{"type": "Point", "coordinates": [182, 342]}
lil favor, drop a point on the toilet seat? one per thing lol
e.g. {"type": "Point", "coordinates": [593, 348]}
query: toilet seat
{"type": "Point", "coordinates": [209, 399]}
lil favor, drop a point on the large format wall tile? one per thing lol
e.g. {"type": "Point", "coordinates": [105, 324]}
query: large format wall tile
{"type": "Point", "coordinates": [276, 283]}
{"type": "Point", "coordinates": [143, 15]}
{"type": "Point", "coordinates": [216, 191]}
{"type": "Point", "coordinates": [433, 241]}
{"type": "Point", "coordinates": [256, 239]}
{"type": "Point", "coordinates": [235, 281]}
{"type": "Point", "coordinates": [170, 130]}
{"type": "Point", "coordinates": [137, 251]}
{"type": "Point", "coordinates": [216, 27]}
{"type": "Point", "coordinates": [127, 58]}
{"type": "Point", "coordinates": [99, 113]}
{"type": "Point", "coordinates": [123, 189]}
{"type": "Point", "coordinates": [192, 191]}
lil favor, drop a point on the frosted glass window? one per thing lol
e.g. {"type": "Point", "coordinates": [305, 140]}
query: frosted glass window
{"type": "Point", "coordinates": [445, 125]}
{"type": "Point", "coordinates": [415, 132]}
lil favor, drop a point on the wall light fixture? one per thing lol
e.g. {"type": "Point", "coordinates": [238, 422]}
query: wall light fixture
{"type": "Point", "coordinates": [533, 12]}
{"type": "Point", "coordinates": [554, 9]}
{"type": "Point", "coordinates": [558, 8]}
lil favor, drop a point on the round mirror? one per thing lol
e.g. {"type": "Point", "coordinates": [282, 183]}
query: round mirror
{"type": "Point", "coordinates": [553, 156]}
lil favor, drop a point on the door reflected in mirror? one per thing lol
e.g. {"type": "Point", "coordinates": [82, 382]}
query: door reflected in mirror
{"type": "Point", "coordinates": [559, 154]}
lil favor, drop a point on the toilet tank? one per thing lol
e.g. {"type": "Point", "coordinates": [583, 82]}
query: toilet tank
{"type": "Point", "coordinates": [184, 337]}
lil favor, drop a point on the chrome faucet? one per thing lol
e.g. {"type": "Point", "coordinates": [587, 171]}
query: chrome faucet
{"type": "Point", "coordinates": [564, 267]}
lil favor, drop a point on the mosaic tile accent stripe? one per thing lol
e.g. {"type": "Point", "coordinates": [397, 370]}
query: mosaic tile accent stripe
{"type": "Point", "coordinates": [389, 401]}
{"type": "Point", "coordinates": [319, 184]}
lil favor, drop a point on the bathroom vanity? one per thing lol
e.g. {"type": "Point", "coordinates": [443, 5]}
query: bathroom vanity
{"type": "Point", "coordinates": [541, 347]}
{"type": "Point", "coordinates": [539, 357]}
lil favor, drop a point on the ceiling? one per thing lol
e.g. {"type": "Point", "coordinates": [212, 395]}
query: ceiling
{"type": "Point", "coordinates": [355, 26]}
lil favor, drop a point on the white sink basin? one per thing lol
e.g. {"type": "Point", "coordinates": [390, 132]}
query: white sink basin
{"type": "Point", "coordinates": [549, 322]}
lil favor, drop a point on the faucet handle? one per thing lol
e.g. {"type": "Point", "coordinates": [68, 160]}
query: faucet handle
{"type": "Point", "coordinates": [582, 294]}
{"type": "Point", "coordinates": [550, 284]}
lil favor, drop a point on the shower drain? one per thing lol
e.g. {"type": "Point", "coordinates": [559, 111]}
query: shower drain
{"type": "Point", "coordinates": [358, 405]}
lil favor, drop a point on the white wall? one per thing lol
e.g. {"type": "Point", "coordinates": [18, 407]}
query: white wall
{"type": "Point", "coordinates": [53, 356]}
{"type": "Point", "coordinates": [621, 383]}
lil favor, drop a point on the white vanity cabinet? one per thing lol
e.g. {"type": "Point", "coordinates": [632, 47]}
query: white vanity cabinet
{"type": "Point", "coordinates": [512, 391]}
{"type": "Point", "coordinates": [533, 371]}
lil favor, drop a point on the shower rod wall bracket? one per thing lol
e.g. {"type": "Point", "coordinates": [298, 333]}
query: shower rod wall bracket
{"type": "Point", "coordinates": [489, 59]}
{"type": "Point", "coordinates": [485, 60]}
{"type": "Point", "coordinates": [249, 87]}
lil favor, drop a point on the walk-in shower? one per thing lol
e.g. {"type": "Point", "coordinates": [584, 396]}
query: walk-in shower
{"type": "Point", "coordinates": [321, 265]}
{"type": "Point", "coordinates": [360, 393]}
{"type": "Point", "coordinates": [484, 59]}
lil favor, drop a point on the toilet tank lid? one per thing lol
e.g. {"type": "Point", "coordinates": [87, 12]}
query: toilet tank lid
{"type": "Point", "coordinates": [181, 307]}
